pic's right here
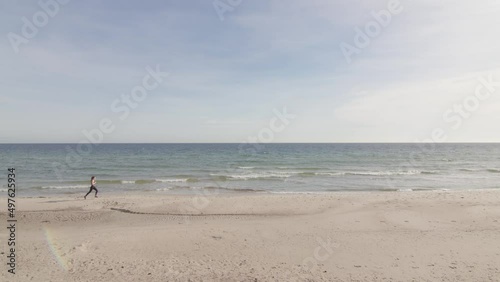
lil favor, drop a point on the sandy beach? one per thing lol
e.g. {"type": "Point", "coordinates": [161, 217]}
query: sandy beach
{"type": "Point", "coordinates": [344, 236]}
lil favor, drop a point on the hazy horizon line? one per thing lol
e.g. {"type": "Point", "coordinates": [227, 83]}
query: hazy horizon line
{"type": "Point", "coordinates": [250, 143]}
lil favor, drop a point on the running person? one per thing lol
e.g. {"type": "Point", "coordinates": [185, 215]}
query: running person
{"type": "Point", "coordinates": [92, 187]}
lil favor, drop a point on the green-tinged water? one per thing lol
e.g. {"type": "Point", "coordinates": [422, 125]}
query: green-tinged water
{"type": "Point", "coordinates": [44, 169]}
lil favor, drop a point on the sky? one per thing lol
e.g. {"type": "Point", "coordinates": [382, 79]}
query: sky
{"type": "Point", "coordinates": [430, 71]}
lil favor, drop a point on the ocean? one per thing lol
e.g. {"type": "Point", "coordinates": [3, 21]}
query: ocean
{"type": "Point", "coordinates": [51, 169]}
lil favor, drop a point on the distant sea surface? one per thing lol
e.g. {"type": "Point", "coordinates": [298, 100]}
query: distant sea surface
{"type": "Point", "coordinates": [48, 169]}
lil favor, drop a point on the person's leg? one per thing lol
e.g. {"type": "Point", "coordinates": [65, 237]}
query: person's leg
{"type": "Point", "coordinates": [95, 188]}
{"type": "Point", "coordinates": [85, 197]}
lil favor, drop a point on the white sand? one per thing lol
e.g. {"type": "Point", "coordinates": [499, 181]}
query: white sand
{"type": "Point", "coordinates": [383, 236]}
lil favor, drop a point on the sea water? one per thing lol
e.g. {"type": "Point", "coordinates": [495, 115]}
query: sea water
{"type": "Point", "coordinates": [48, 169]}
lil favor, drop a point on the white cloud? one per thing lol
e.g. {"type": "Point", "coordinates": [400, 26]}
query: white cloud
{"type": "Point", "coordinates": [409, 111]}
{"type": "Point", "coordinates": [265, 55]}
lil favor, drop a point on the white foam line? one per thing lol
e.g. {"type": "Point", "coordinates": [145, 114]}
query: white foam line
{"type": "Point", "coordinates": [172, 180]}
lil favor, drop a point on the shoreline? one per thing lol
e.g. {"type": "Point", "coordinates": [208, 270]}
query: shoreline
{"type": "Point", "coordinates": [341, 236]}
{"type": "Point", "coordinates": [241, 192]}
